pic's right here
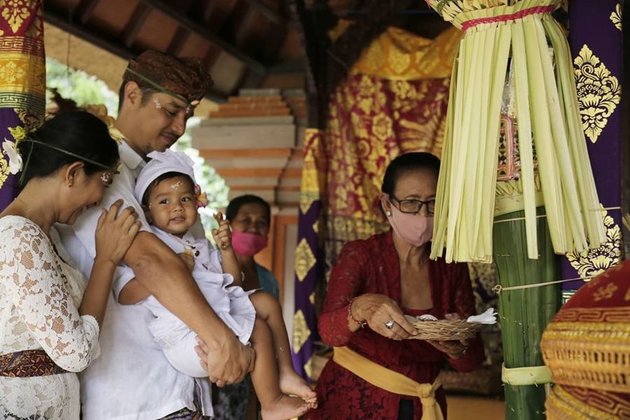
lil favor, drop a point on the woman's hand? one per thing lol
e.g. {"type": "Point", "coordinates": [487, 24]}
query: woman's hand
{"type": "Point", "coordinates": [453, 348]}
{"type": "Point", "coordinates": [115, 232]}
{"type": "Point", "coordinates": [383, 315]}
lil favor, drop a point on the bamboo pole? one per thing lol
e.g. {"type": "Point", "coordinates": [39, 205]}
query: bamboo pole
{"type": "Point", "coordinates": [524, 313]}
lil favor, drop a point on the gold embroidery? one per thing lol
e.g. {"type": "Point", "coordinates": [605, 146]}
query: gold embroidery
{"type": "Point", "coordinates": [312, 177]}
{"type": "Point", "coordinates": [301, 332]}
{"type": "Point", "coordinates": [598, 92]}
{"type": "Point", "coordinates": [31, 120]}
{"type": "Point", "coordinates": [4, 170]}
{"type": "Point", "coordinates": [308, 367]}
{"type": "Point", "coordinates": [589, 263]}
{"type": "Point", "coordinates": [562, 405]}
{"type": "Point", "coordinates": [304, 259]}
{"type": "Point", "coordinates": [615, 17]}
{"type": "Point", "coordinates": [19, 74]}
{"type": "Point", "coordinates": [605, 292]}
{"type": "Point", "coordinates": [400, 55]}
{"type": "Point", "coordinates": [15, 12]}
{"type": "Point", "coordinates": [382, 126]}
{"type": "Point", "coordinates": [18, 133]}
{"type": "Point", "coordinates": [588, 354]}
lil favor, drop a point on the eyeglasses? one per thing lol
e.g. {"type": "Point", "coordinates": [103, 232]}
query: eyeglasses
{"type": "Point", "coordinates": [413, 206]}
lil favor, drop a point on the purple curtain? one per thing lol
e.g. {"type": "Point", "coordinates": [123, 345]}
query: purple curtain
{"type": "Point", "coordinates": [597, 47]}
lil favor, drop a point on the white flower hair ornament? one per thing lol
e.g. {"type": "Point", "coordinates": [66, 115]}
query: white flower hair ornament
{"type": "Point", "coordinates": [9, 149]}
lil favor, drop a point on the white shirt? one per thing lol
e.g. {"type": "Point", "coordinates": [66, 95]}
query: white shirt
{"type": "Point", "coordinates": [131, 379]}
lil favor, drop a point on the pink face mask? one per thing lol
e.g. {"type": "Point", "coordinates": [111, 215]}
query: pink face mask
{"type": "Point", "coordinates": [248, 244]}
{"type": "Point", "coordinates": [415, 229]}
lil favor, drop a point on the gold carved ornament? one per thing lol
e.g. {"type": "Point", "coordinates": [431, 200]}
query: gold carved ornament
{"type": "Point", "coordinates": [598, 92]}
{"type": "Point", "coordinates": [301, 332]}
{"type": "Point", "coordinates": [615, 17]}
{"type": "Point", "coordinates": [589, 263]}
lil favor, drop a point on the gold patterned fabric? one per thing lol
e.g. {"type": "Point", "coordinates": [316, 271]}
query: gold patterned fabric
{"type": "Point", "coordinates": [309, 266]}
{"type": "Point", "coordinates": [587, 349]}
{"type": "Point", "coordinates": [22, 79]}
{"type": "Point", "coordinates": [400, 55]}
{"type": "Point", "coordinates": [393, 101]}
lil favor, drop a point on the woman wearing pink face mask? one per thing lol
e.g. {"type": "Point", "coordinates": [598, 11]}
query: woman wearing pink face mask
{"type": "Point", "coordinates": [249, 217]}
{"type": "Point", "coordinates": [373, 285]}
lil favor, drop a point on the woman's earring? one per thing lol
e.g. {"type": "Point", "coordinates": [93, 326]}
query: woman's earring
{"type": "Point", "coordinates": [388, 213]}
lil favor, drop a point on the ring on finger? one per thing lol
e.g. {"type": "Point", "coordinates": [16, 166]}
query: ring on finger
{"type": "Point", "coordinates": [389, 324]}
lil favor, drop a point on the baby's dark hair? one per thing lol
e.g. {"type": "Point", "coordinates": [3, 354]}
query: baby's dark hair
{"type": "Point", "coordinates": [163, 177]}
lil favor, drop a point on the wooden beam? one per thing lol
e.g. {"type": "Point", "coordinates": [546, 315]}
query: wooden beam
{"type": "Point", "coordinates": [203, 31]}
{"type": "Point", "coordinates": [271, 14]}
{"type": "Point", "coordinates": [85, 9]}
{"type": "Point", "coordinates": [260, 172]}
{"type": "Point", "coordinates": [61, 20]}
{"type": "Point", "coordinates": [178, 41]}
{"type": "Point", "coordinates": [294, 66]}
{"type": "Point", "coordinates": [133, 26]}
{"type": "Point", "coordinates": [271, 152]}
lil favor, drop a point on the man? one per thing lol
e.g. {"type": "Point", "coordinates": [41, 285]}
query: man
{"type": "Point", "coordinates": [132, 379]}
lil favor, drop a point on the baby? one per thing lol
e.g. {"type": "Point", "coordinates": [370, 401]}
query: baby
{"type": "Point", "coordinates": [167, 191]}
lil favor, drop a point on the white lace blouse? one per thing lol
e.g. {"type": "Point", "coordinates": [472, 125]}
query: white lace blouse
{"type": "Point", "coordinates": [39, 299]}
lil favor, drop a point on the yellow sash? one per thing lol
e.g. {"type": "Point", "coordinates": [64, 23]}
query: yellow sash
{"type": "Point", "coordinates": [391, 381]}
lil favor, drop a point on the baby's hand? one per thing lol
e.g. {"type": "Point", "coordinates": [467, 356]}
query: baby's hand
{"type": "Point", "coordinates": [188, 259]}
{"type": "Point", "coordinates": [223, 235]}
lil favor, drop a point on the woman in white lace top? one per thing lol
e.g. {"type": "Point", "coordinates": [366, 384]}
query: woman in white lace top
{"type": "Point", "coordinates": [49, 318]}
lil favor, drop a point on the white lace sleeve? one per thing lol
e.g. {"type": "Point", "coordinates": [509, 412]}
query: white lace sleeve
{"type": "Point", "coordinates": [37, 284]}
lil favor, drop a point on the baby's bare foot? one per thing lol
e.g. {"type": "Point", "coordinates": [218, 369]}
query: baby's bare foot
{"type": "Point", "coordinates": [284, 408]}
{"type": "Point", "coordinates": [291, 383]}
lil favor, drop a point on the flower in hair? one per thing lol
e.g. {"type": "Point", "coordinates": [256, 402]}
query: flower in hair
{"type": "Point", "coordinates": [9, 148]}
{"type": "Point", "coordinates": [202, 197]}
{"type": "Point", "coordinates": [18, 133]}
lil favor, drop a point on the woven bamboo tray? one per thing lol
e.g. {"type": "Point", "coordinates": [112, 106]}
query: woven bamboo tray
{"type": "Point", "coordinates": [444, 329]}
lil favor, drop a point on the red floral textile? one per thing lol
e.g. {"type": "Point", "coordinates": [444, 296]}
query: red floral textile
{"type": "Point", "coordinates": [372, 266]}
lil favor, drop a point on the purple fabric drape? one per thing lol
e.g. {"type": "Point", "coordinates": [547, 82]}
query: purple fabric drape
{"type": "Point", "coordinates": [596, 43]}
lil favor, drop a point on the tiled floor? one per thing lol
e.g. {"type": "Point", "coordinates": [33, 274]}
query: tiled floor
{"type": "Point", "coordinates": [474, 408]}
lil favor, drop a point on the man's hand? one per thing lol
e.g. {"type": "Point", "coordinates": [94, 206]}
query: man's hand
{"type": "Point", "coordinates": [227, 363]}
{"type": "Point", "coordinates": [188, 259]}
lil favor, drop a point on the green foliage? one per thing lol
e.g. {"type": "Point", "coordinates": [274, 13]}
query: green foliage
{"type": "Point", "coordinates": [79, 86]}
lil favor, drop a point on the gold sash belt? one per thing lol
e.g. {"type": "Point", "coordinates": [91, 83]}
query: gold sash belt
{"type": "Point", "coordinates": [391, 381]}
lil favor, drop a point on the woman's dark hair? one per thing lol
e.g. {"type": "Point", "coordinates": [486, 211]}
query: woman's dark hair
{"type": "Point", "coordinates": [164, 176]}
{"type": "Point", "coordinates": [237, 202]}
{"type": "Point", "coordinates": [79, 134]}
{"type": "Point", "coordinates": [407, 163]}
